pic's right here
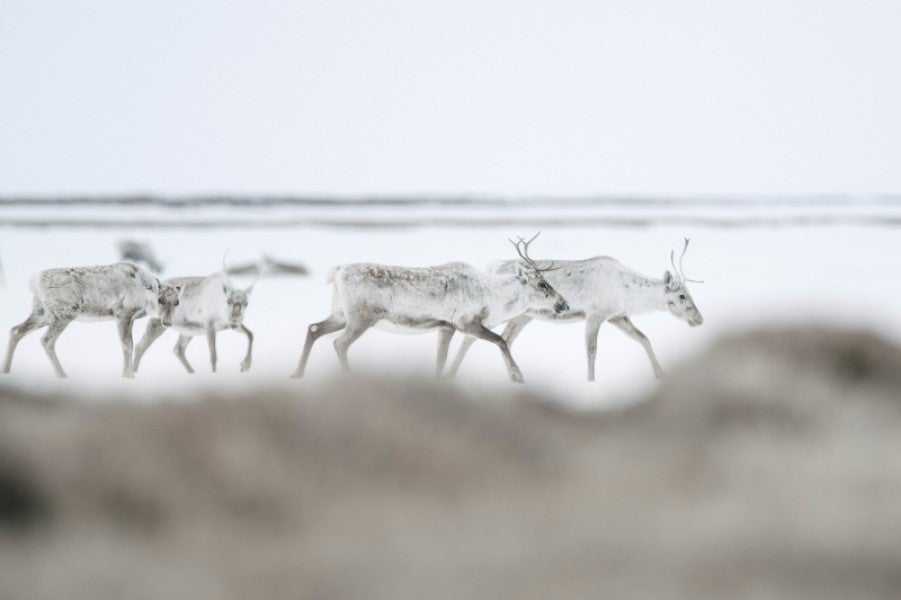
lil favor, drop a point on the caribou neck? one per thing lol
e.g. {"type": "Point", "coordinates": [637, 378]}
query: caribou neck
{"type": "Point", "coordinates": [647, 295]}
{"type": "Point", "coordinates": [151, 297]}
{"type": "Point", "coordinates": [506, 299]}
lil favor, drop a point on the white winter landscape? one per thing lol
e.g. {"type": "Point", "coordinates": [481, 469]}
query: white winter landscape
{"type": "Point", "coordinates": [759, 264]}
{"type": "Point", "coordinates": [764, 463]}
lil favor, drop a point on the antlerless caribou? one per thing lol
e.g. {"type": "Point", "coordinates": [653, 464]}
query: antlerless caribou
{"type": "Point", "coordinates": [603, 289]}
{"type": "Point", "coordinates": [122, 292]}
{"type": "Point", "coordinates": [208, 305]}
{"type": "Point", "coordinates": [450, 297]}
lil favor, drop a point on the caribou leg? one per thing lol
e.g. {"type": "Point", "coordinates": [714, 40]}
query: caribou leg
{"type": "Point", "coordinates": [34, 321]}
{"type": "Point", "coordinates": [511, 331]}
{"type": "Point", "coordinates": [626, 326]}
{"type": "Point", "coordinates": [468, 341]}
{"type": "Point", "coordinates": [154, 330]}
{"type": "Point", "coordinates": [514, 328]}
{"type": "Point", "coordinates": [179, 350]}
{"type": "Point", "coordinates": [592, 325]}
{"type": "Point", "coordinates": [314, 332]}
{"type": "Point", "coordinates": [125, 324]}
{"type": "Point", "coordinates": [245, 364]}
{"type": "Point", "coordinates": [444, 340]}
{"type": "Point", "coordinates": [211, 342]}
{"type": "Point", "coordinates": [352, 331]}
{"type": "Point", "coordinates": [57, 325]}
{"type": "Point", "coordinates": [483, 333]}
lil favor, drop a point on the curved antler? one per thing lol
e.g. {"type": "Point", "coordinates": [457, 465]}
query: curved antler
{"type": "Point", "coordinates": [522, 248]}
{"type": "Point", "coordinates": [225, 269]}
{"type": "Point", "coordinates": [680, 270]}
{"type": "Point", "coordinates": [260, 269]}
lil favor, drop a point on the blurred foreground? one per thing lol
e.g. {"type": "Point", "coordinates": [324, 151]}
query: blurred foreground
{"type": "Point", "coordinates": [768, 467]}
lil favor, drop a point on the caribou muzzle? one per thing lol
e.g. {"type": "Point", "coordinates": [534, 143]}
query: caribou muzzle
{"type": "Point", "coordinates": [561, 307]}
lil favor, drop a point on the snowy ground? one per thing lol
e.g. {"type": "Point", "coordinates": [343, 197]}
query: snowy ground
{"type": "Point", "coordinates": [840, 275]}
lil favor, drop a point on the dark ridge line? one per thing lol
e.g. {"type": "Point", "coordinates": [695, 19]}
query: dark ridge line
{"type": "Point", "coordinates": [633, 222]}
{"type": "Point", "coordinates": [187, 202]}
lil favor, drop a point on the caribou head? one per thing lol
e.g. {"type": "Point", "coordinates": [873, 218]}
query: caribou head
{"type": "Point", "coordinates": [678, 300]}
{"type": "Point", "coordinates": [236, 298]}
{"type": "Point", "coordinates": [163, 296]}
{"type": "Point", "coordinates": [167, 300]}
{"type": "Point", "coordinates": [541, 294]}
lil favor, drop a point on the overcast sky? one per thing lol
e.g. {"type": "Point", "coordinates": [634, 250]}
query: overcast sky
{"type": "Point", "coordinates": [471, 96]}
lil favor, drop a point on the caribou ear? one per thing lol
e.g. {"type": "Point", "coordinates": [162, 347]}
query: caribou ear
{"type": "Point", "coordinates": [249, 289]}
{"type": "Point", "coordinates": [671, 282]}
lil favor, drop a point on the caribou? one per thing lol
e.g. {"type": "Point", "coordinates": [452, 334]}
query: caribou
{"type": "Point", "coordinates": [450, 297]}
{"type": "Point", "coordinates": [602, 289]}
{"type": "Point", "coordinates": [208, 305]}
{"type": "Point", "coordinates": [122, 292]}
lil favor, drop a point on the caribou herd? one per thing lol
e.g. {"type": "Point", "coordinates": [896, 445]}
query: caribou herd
{"type": "Point", "coordinates": [449, 298]}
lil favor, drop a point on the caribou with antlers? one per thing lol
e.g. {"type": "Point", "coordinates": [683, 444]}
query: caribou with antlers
{"type": "Point", "coordinates": [208, 305]}
{"type": "Point", "coordinates": [450, 297]}
{"type": "Point", "coordinates": [602, 289]}
{"type": "Point", "coordinates": [122, 292]}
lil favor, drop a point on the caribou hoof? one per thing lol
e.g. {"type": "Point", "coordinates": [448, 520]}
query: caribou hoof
{"type": "Point", "coordinates": [245, 366]}
{"type": "Point", "coordinates": [516, 376]}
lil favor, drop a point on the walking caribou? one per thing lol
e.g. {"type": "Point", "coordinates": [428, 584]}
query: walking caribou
{"type": "Point", "coordinates": [122, 292]}
{"type": "Point", "coordinates": [450, 297]}
{"type": "Point", "coordinates": [208, 305]}
{"type": "Point", "coordinates": [603, 289]}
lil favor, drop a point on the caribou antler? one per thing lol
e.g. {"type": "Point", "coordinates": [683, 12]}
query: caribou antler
{"type": "Point", "coordinates": [260, 268]}
{"type": "Point", "coordinates": [680, 270]}
{"type": "Point", "coordinates": [225, 269]}
{"type": "Point", "coordinates": [522, 248]}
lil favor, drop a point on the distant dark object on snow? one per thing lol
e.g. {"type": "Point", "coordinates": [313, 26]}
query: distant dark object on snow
{"type": "Point", "coordinates": [269, 266]}
{"type": "Point", "coordinates": [140, 253]}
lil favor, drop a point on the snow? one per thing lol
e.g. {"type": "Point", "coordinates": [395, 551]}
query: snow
{"type": "Point", "coordinates": [836, 275]}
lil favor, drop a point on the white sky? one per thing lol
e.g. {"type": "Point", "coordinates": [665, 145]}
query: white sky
{"type": "Point", "coordinates": [471, 96]}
